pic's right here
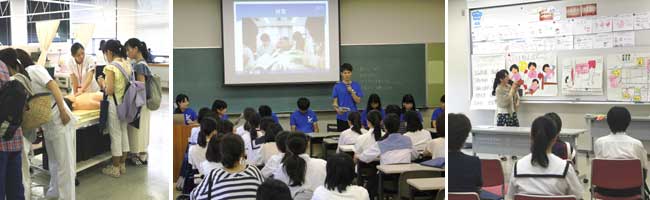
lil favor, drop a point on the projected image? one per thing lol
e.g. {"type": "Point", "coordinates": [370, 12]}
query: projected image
{"type": "Point", "coordinates": [281, 38]}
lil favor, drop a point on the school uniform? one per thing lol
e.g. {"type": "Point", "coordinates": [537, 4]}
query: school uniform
{"type": "Point", "coordinates": [364, 141]}
{"type": "Point", "coordinates": [352, 192]}
{"type": "Point", "coordinates": [464, 172]}
{"type": "Point", "coordinates": [420, 139]}
{"type": "Point", "coordinates": [620, 146]}
{"type": "Point", "coordinates": [436, 113]}
{"type": "Point", "coordinates": [364, 117]}
{"type": "Point", "coordinates": [303, 121]}
{"type": "Point", "coordinates": [349, 137]}
{"type": "Point", "coordinates": [267, 150]}
{"type": "Point", "coordinates": [206, 167]}
{"type": "Point", "coordinates": [394, 149]}
{"type": "Point", "coordinates": [314, 176]}
{"type": "Point", "coordinates": [344, 99]}
{"type": "Point", "coordinates": [272, 164]}
{"type": "Point", "coordinates": [436, 147]}
{"type": "Point", "coordinates": [194, 135]}
{"type": "Point", "coordinates": [252, 148]}
{"type": "Point", "coordinates": [196, 156]}
{"type": "Point", "coordinates": [559, 178]}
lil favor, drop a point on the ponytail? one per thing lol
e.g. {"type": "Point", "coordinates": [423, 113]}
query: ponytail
{"type": "Point", "coordinates": [253, 122]}
{"type": "Point", "coordinates": [374, 117]}
{"type": "Point", "coordinates": [542, 132]}
{"type": "Point", "coordinates": [497, 79]}
{"type": "Point", "coordinates": [115, 47]}
{"type": "Point", "coordinates": [355, 118]}
{"type": "Point", "coordinates": [142, 47]}
{"type": "Point", "coordinates": [294, 165]}
{"type": "Point", "coordinates": [208, 125]}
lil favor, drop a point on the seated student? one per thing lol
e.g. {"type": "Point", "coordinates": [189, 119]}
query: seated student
{"type": "Point", "coordinates": [464, 173]}
{"type": "Point", "coordinates": [339, 181]}
{"type": "Point", "coordinates": [302, 173]}
{"type": "Point", "coordinates": [374, 103]}
{"type": "Point", "coordinates": [395, 109]}
{"type": "Point", "coordinates": [541, 172]}
{"type": "Point", "coordinates": [437, 112]}
{"type": "Point", "coordinates": [272, 189]}
{"type": "Point", "coordinates": [436, 147]}
{"type": "Point", "coordinates": [227, 182]}
{"type": "Point", "coordinates": [618, 145]}
{"type": "Point", "coordinates": [268, 146]}
{"type": "Point", "coordinates": [196, 153]}
{"type": "Point", "coordinates": [304, 119]}
{"type": "Point", "coordinates": [226, 127]}
{"type": "Point", "coordinates": [392, 148]}
{"type": "Point", "coordinates": [250, 136]}
{"type": "Point", "coordinates": [419, 137]}
{"type": "Point", "coordinates": [194, 133]}
{"type": "Point", "coordinates": [274, 162]}
{"type": "Point", "coordinates": [183, 107]}
{"type": "Point", "coordinates": [265, 111]}
{"type": "Point", "coordinates": [561, 148]}
{"type": "Point", "coordinates": [247, 114]}
{"type": "Point", "coordinates": [212, 155]}
{"type": "Point", "coordinates": [349, 137]}
{"type": "Point", "coordinates": [373, 135]}
{"type": "Point", "coordinates": [408, 103]}
{"type": "Point", "coordinates": [220, 107]}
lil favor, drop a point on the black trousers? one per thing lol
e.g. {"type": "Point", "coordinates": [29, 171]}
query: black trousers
{"type": "Point", "coordinates": [342, 125]}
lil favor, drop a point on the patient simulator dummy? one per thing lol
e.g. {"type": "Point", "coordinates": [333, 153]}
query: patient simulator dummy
{"type": "Point", "coordinates": [85, 101]}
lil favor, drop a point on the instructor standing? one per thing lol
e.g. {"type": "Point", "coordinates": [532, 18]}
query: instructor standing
{"type": "Point", "coordinates": [346, 95]}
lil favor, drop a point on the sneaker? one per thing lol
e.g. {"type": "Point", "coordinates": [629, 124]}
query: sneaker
{"type": "Point", "coordinates": [135, 160]}
{"type": "Point", "coordinates": [123, 168]}
{"type": "Point", "coordinates": [111, 171]}
{"type": "Point", "coordinates": [143, 159]}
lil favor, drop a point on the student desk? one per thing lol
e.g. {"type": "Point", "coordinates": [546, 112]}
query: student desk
{"type": "Point", "coordinates": [425, 184]}
{"type": "Point", "coordinates": [317, 138]}
{"type": "Point", "coordinates": [638, 129]}
{"type": "Point", "coordinates": [328, 142]}
{"type": "Point", "coordinates": [514, 141]}
{"type": "Point", "coordinates": [401, 168]}
{"type": "Point", "coordinates": [93, 147]}
{"type": "Point", "coordinates": [347, 148]}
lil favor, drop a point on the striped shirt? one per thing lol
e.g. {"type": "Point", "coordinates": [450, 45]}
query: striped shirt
{"type": "Point", "coordinates": [225, 185]}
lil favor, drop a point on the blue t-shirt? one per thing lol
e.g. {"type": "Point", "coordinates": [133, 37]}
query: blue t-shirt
{"type": "Point", "coordinates": [437, 113]}
{"type": "Point", "coordinates": [275, 118]}
{"type": "Point", "coordinates": [402, 117]}
{"type": "Point", "coordinates": [364, 117]}
{"type": "Point", "coordinates": [303, 121]}
{"type": "Point", "coordinates": [224, 117]}
{"type": "Point", "coordinates": [189, 115]}
{"type": "Point", "coordinates": [344, 97]}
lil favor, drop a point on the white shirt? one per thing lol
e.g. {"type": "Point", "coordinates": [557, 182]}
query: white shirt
{"type": "Point", "coordinates": [352, 192]}
{"type": "Point", "coordinates": [207, 167]}
{"type": "Point", "coordinates": [252, 151]}
{"type": "Point", "coordinates": [82, 71]}
{"type": "Point", "coordinates": [620, 146]}
{"type": "Point", "coordinates": [564, 182]}
{"type": "Point", "coordinates": [314, 175]}
{"type": "Point", "coordinates": [267, 150]}
{"type": "Point", "coordinates": [272, 164]}
{"type": "Point", "coordinates": [196, 156]}
{"type": "Point", "coordinates": [364, 141]}
{"type": "Point", "coordinates": [194, 135]}
{"type": "Point", "coordinates": [349, 137]}
{"type": "Point", "coordinates": [39, 79]}
{"type": "Point", "coordinates": [419, 138]}
{"type": "Point", "coordinates": [436, 147]}
{"type": "Point", "coordinates": [403, 154]}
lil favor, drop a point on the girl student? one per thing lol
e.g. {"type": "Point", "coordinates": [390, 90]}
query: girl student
{"type": "Point", "coordinates": [374, 103]}
{"type": "Point", "coordinates": [137, 51]}
{"type": "Point", "coordinates": [349, 136]}
{"type": "Point", "coordinates": [302, 173]}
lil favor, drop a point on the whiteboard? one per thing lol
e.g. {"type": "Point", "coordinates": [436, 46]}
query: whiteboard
{"type": "Point", "coordinates": [571, 31]}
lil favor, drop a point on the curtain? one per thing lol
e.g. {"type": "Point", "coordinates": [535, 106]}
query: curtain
{"type": "Point", "coordinates": [45, 30]}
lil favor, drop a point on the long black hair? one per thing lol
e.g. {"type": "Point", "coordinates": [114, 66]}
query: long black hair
{"type": "Point", "coordinates": [294, 165]}
{"type": "Point", "coordinates": [355, 118]}
{"type": "Point", "coordinates": [497, 80]}
{"type": "Point", "coordinates": [212, 153]}
{"type": "Point", "coordinates": [373, 98]}
{"type": "Point", "coordinates": [253, 123]}
{"type": "Point", "coordinates": [208, 125]}
{"type": "Point", "coordinates": [408, 98]}
{"type": "Point", "coordinates": [413, 122]}
{"type": "Point", "coordinates": [24, 58]}
{"type": "Point", "coordinates": [543, 132]}
{"type": "Point", "coordinates": [340, 172]}
{"type": "Point", "coordinates": [374, 117]}
{"type": "Point", "coordinates": [115, 47]}
{"type": "Point", "coordinates": [391, 123]}
{"type": "Point", "coordinates": [10, 57]}
{"type": "Point", "coordinates": [142, 47]}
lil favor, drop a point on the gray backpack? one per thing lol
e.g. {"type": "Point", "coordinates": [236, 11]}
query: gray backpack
{"type": "Point", "coordinates": [154, 90]}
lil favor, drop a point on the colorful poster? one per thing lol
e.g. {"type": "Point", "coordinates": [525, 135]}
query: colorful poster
{"type": "Point", "coordinates": [484, 69]}
{"type": "Point", "coordinates": [627, 77]}
{"type": "Point", "coordinates": [537, 70]}
{"type": "Point", "coordinates": [623, 22]}
{"type": "Point", "coordinates": [582, 76]}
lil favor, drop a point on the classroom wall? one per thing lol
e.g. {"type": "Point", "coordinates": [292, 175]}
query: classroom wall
{"type": "Point", "coordinates": [459, 87]}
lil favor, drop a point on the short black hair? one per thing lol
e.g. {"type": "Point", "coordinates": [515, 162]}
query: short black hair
{"type": "Point", "coordinates": [206, 112]}
{"type": "Point", "coordinates": [224, 126]}
{"type": "Point", "coordinates": [556, 120]}
{"type": "Point", "coordinates": [618, 119]}
{"type": "Point", "coordinates": [459, 128]}
{"type": "Point", "coordinates": [340, 172]}
{"type": "Point", "coordinates": [532, 64]}
{"type": "Point", "coordinates": [346, 67]}
{"type": "Point", "coordinates": [232, 150]}
{"type": "Point", "coordinates": [514, 66]}
{"type": "Point", "coordinates": [271, 131]}
{"type": "Point", "coordinates": [180, 98]}
{"type": "Point", "coordinates": [212, 153]}
{"type": "Point", "coordinates": [219, 104]}
{"type": "Point", "coordinates": [75, 48]}
{"type": "Point", "coordinates": [303, 103]}
{"type": "Point", "coordinates": [442, 98]}
{"type": "Point", "coordinates": [391, 123]}
{"type": "Point", "coordinates": [281, 141]}
{"type": "Point", "coordinates": [535, 80]}
{"type": "Point", "coordinates": [394, 109]}
{"type": "Point", "coordinates": [413, 122]}
{"type": "Point", "coordinates": [440, 125]}
{"type": "Point", "coordinates": [265, 110]}
{"type": "Point", "coordinates": [273, 189]}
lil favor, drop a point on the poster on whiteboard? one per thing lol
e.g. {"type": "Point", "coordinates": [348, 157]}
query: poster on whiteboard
{"type": "Point", "coordinates": [627, 77]}
{"type": "Point", "coordinates": [582, 76]}
{"type": "Point", "coordinates": [537, 70]}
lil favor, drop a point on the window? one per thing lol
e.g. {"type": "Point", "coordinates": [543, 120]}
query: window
{"type": "Point", "coordinates": [5, 23]}
{"type": "Point", "coordinates": [42, 11]}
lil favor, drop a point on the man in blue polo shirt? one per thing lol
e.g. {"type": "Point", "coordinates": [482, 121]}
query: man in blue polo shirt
{"type": "Point", "coordinates": [304, 119]}
{"type": "Point", "coordinates": [220, 107]}
{"type": "Point", "coordinates": [346, 94]}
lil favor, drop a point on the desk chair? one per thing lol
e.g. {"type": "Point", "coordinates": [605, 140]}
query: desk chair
{"type": "Point", "coordinates": [492, 175]}
{"type": "Point", "coordinates": [463, 196]}
{"type": "Point", "coordinates": [537, 197]}
{"type": "Point", "coordinates": [616, 175]}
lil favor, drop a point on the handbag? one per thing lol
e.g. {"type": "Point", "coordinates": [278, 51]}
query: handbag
{"type": "Point", "coordinates": [39, 111]}
{"type": "Point", "coordinates": [103, 115]}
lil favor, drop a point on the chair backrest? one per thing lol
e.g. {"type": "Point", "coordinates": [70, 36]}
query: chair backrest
{"type": "Point", "coordinates": [537, 197]}
{"type": "Point", "coordinates": [616, 174]}
{"type": "Point", "coordinates": [491, 172]}
{"type": "Point", "coordinates": [332, 128]}
{"type": "Point", "coordinates": [463, 196]}
{"type": "Point", "coordinates": [403, 186]}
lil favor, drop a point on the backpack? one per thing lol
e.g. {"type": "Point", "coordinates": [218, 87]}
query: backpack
{"type": "Point", "coordinates": [134, 97]}
{"type": "Point", "coordinates": [154, 90]}
{"type": "Point", "coordinates": [13, 98]}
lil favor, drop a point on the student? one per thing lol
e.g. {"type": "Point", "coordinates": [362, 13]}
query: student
{"type": "Point", "coordinates": [12, 156]}
{"type": "Point", "coordinates": [419, 137]}
{"type": "Point", "coordinates": [304, 119]}
{"type": "Point", "coordinates": [618, 145]}
{"type": "Point", "coordinates": [273, 189]}
{"type": "Point", "coordinates": [83, 71]}
{"type": "Point", "coordinates": [302, 173]}
{"type": "Point", "coordinates": [212, 155]}
{"type": "Point", "coordinates": [115, 85]}
{"type": "Point", "coordinates": [393, 109]}
{"type": "Point", "coordinates": [227, 182]}
{"type": "Point", "coordinates": [246, 115]}
{"type": "Point", "coordinates": [507, 99]}
{"type": "Point", "coordinates": [226, 127]}
{"type": "Point", "coordinates": [374, 134]}
{"type": "Point", "coordinates": [250, 135]}
{"type": "Point", "coordinates": [139, 136]}
{"type": "Point", "coordinates": [339, 181]}
{"type": "Point", "coordinates": [274, 162]}
{"type": "Point", "coordinates": [196, 153]}
{"type": "Point", "coordinates": [408, 104]}
{"type": "Point", "coordinates": [220, 107]}
{"type": "Point", "coordinates": [194, 133]}
{"type": "Point", "coordinates": [436, 147]}
{"type": "Point", "coordinates": [393, 148]}
{"type": "Point", "coordinates": [464, 173]}
{"type": "Point", "coordinates": [541, 172]}
{"type": "Point", "coordinates": [62, 151]}
{"type": "Point", "coordinates": [437, 112]}
{"type": "Point", "coordinates": [561, 148]}
{"type": "Point", "coordinates": [265, 111]}
{"type": "Point", "coordinates": [349, 137]}
{"type": "Point", "coordinates": [346, 94]}
{"type": "Point", "coordinates": [268, 146]}
{"type": "Point", "coordinates": [183, 107]}
{"type": "Point", "coordinates": [374, 103]}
